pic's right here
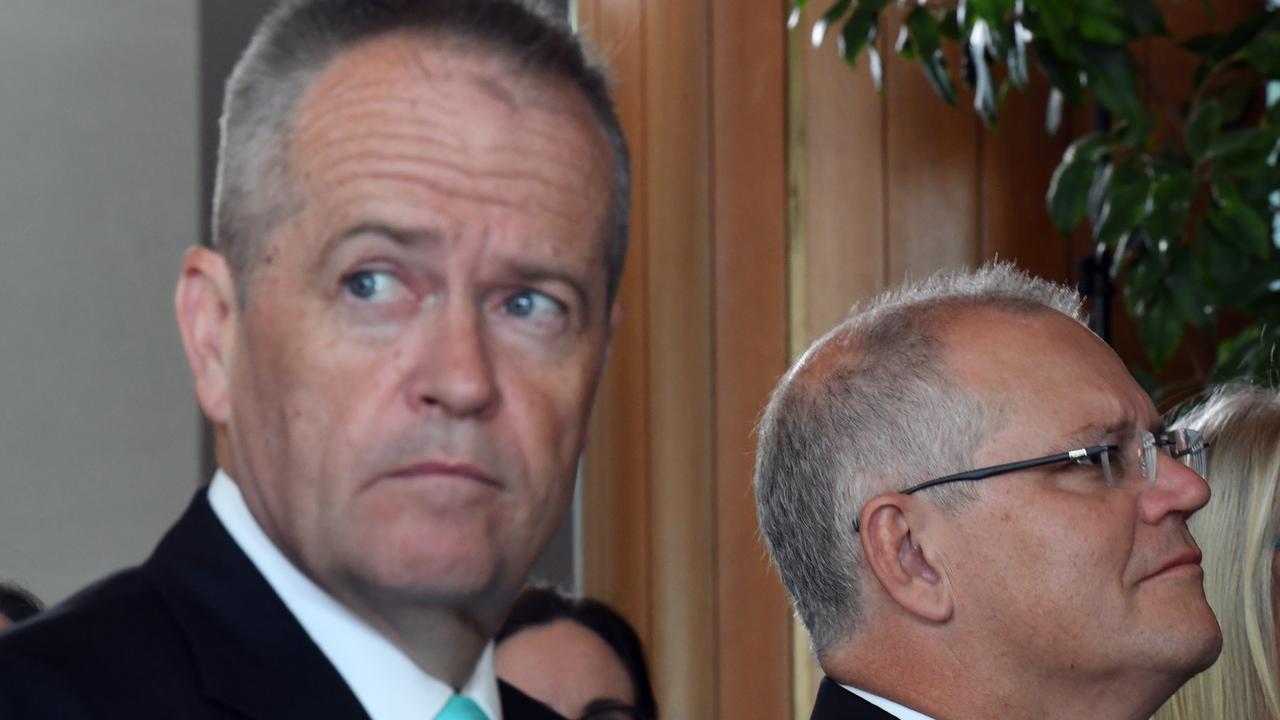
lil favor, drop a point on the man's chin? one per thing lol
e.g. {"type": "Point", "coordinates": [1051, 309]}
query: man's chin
{"type": "Point", "coordinates": [436, 580]}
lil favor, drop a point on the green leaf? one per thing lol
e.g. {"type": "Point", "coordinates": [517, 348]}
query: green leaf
{"type": "Point", "coordinates": [1241, 34]}
{"type": "Point", "coordinates": [1142, 282]}
{"type": "Point", "coordinates": [926, 35]}
{"type": "Point", "coordinates": [993, 12]}
{"type": "Point", "coordinates": [1250, 355]}
{"type": "Point", "coordinates": [1053, 111]}
{"type": "Point", "coordinates": [1054, 18]}
{"type": "Point", "coordinates": [1242, 152]}
{"type": "Point", "coordinates": [904, 47]}
{"type": "Point", "coordinates": [1124, 207]}
{"type": "Point", "coordinates": [1239, 222]}
{"type": "Point", "coordinates": [1114, 79]}
{"type": "Point", "coordinates": [877, 66]}
{"type": "Point", "coordinates": [1259, 141]}
{"type": "Point", "coordinates": [984, 91]}
{"type": "Point", "coordinates": [1263, 53]}
{"type": "Point", "coordinates": [1016, 58]}
{"type": "Point", "coordinates": [1235, 99]}
{"type": "Point", "coordinates": [1183, 288]}
{"type": "Point", "coordinates": [1202, 45]}
{"type": "Point", "coordinates": [858, 31]}
{"type": "Point", "coordinates": [1203, 128]}
{"type": "Point", "coordinates": [950, 26]}
{"type": "Point", "coordinates": [935, 70]}
{"type": "Point", "coordinates": [1171, 195]}
{"type": "Point", "coordinates": [829, 18]}
{"type": "Point", "coordinates": [925, 30]}
{"type": "Point", "coordinates": [1104, 22]}
{"type": "Point", "coordinates": [1069, 193]}
{"type": "Point", "coordinates": [1135, 134]}
{"type": "Point", "coordinates": [1145, 16]}
{"type": "Point", "coordinates": [1099, 191]}
{"type": "Point", "coordinates": [1161, 329]}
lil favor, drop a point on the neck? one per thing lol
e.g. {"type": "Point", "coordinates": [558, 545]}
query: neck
{"type": "Point", "coordinates": [443, 642]}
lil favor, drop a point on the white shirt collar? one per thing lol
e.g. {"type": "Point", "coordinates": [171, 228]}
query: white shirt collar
{"type": "Point", "coordinates": [899, 711]}
{"type": "Point", "coordinates": [385, 681]}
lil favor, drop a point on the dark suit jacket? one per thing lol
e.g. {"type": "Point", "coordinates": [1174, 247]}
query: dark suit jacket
{"type": "Point", "coordinates": [195, 632]}
{"type": "Point", "coordinates": [836, 703]}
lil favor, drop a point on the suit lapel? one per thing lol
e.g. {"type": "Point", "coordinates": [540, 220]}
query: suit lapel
{"type": "Point", "coordinates": [252, 654]}
{"type": "Point", "coordinates": [836, 703]}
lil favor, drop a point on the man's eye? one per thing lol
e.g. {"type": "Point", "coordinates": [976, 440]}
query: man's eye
{"type": "Point", "coordinates": [372, 285]}
{"type": "Point", "coordinates": [1090, 460]}
{"type": "Point", "coordinates": [533, 305]}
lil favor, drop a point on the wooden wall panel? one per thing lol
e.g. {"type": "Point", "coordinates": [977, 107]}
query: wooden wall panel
{"type": "Point", "coordinates": [749, 180]}
{"type": "Point", "coordinates": [932, 182]}
{"type": "Point", "coordinates": [1017, 160]}
{"type": "Point", "coordinates": [678, 147]}
{"type": "Point", "coordinates": [837, 157]}
{"type": "Point", "coordinates": [616, 468]}
{"type": "Point", "coordinates": [702, 99]}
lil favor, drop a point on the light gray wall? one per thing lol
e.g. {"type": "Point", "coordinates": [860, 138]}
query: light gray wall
{"type": "Point", "coordinates": [99, 193]}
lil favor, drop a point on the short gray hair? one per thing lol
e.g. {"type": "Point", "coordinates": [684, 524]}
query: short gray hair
{"type": "Point", "coordinates": [300, 38]}
{"type": "Point", "coordinates": [883, 414]}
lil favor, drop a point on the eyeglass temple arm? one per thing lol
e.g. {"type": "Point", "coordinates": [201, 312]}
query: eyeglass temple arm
{"type": "Point", "coordinates": [981, 473]}
{"type": "Point", "coordinates": [987, 472]}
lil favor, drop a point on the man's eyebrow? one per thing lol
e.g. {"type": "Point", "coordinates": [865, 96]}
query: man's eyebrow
{"type": "Point", "coordinates": [530, 273]}
{"type": "Point", "coordinates": [1095, 433]}
{"type": "Point", "coordinates": [401, 236]}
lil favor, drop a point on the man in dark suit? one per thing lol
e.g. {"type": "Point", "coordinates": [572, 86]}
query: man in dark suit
{"type": "Point", "coordinates": [420, 222]}
{"type": "Point", "coordinates": [978, 513]}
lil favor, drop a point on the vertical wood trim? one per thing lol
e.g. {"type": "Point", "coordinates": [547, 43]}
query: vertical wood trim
{"type": "Point", "coordinates": [842, 187]}
{"type": "Point", "coordinates": [750, 209]}
{"type": "Point", "coordinates": [804, 673]}
{"type": "Point", "coordinates": [932, 166]}
{"type": "Point", "coordinates": [677, 145]}
{"type": "Point", "coordinates": [1014, 178]}
{"type": "Point", "coordinates": [840, 250]}
{"type": "Point", "coordinates": [616, 469]}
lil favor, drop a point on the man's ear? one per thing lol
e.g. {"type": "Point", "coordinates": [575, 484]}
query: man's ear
{"type": "Point", "coordinates": [900, 559]}
{"type": "Point", "coordinates": [206, 306]}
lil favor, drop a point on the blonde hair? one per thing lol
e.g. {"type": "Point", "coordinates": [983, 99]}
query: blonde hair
{"type": "Point", "coordinates": [1237, 533]}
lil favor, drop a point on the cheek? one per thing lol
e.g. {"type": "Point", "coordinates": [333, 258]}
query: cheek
{"type": "Point", "coordinates": [549, 406]}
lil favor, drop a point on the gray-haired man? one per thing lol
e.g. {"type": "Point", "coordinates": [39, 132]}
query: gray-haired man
{"type": "Point", "coordinates": [420, 221]}
{"type": "Point", "coordinates": [978, 513]}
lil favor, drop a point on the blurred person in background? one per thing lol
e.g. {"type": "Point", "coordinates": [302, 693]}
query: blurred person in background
{"type": "Point", "coordinates": [578, 656]}
{"type": "Point", "coordinates": [16, 604]}
{"type": "Point", "coordinates": [1238, 532]}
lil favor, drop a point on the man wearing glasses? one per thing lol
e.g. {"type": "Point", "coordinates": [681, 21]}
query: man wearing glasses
{"type": "Point", "coordinates": [978, 513]}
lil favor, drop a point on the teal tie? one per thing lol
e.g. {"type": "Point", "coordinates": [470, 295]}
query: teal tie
{"type": "Point", "coordinates": [461, 707]}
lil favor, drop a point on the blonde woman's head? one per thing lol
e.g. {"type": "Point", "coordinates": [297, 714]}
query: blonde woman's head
{"type": "Point", "coordinates": [1237, 532]}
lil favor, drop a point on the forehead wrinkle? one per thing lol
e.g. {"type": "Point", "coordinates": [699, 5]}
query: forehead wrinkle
{"type": "Point", "coordinates": [444, 152]}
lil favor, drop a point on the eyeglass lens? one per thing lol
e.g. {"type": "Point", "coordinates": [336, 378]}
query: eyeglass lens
{"type": "Point", "coordinates": [1184, 445]}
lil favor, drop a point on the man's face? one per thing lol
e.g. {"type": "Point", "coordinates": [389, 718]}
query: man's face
{"type": "Point", "coordinates": [1061, 574]}
{"type": "Point", "coordinates": [416, 359]}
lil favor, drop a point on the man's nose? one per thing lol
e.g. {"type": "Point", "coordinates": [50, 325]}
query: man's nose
{"type": "Point", "coordinates": [455, 372]}
{"type": "Point", "coordinates": [1177, 489]}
